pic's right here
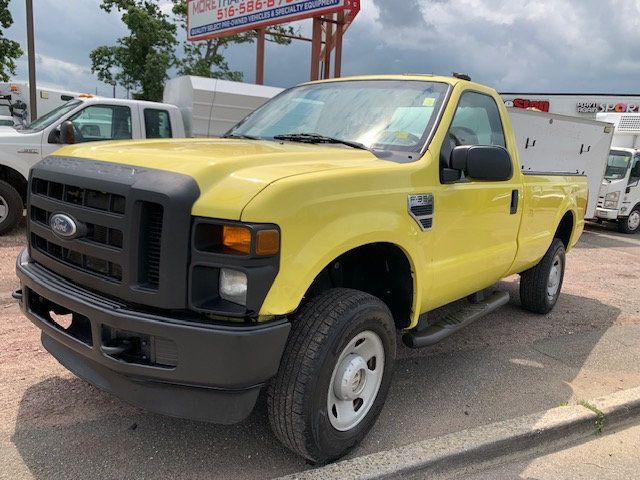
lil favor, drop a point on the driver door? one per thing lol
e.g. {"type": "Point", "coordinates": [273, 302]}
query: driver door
{"type": "Point", "coordinates": [476, 220]}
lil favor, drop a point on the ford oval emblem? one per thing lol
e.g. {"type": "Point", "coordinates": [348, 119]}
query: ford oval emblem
{"type": "Point", "coordinates": [63, 226]}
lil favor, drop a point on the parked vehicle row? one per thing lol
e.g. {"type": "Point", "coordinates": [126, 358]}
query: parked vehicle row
{"type": "Point", "coordinates": [198, 107]}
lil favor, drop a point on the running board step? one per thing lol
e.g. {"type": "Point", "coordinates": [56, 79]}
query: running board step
{"type": "Point", "coordinates": [454, 321]}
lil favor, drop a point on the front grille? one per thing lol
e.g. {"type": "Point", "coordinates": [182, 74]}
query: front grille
{"type": "Point", "coordinates": [150, 244]}
{"type": "Point", "coordinates": [73, 195]}
{"type": "Point", "coordinates": [95, 233]}
{"type": "Point", "coordinates": [122, 249]}
{"type": "Point", "coordinates": [76, 259]}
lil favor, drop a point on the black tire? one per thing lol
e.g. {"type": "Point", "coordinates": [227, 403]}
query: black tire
{"type": "Point", "coordinates": [297, 398]}
{"type": "Point", "coordinates": [10, 198]}
{"type": "Point", "coordinates": [534, 283]}
{"type": "Point", "coordinates": [625, 225]}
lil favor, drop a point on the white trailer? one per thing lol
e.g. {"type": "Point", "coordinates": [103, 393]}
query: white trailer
{"type": "Point", "coordinates": [584, 148]}
{"type": "Point", "coordinates": [619, 198]}
{"type": "Point", "coordinates": [210, 107]}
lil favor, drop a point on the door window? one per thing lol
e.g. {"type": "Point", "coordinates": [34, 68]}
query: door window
{"type": "Point", "coordinates": [156, 123]}
{"type": "Point", "coordinates": [476, 122]}
{"type": "Point", "coordinates": [102, 122]}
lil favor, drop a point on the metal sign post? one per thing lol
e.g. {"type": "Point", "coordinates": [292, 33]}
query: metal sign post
{"type": "Point", "coordinates": [31, 54]}
{"type": "Point", "coordinates": [220, 18]}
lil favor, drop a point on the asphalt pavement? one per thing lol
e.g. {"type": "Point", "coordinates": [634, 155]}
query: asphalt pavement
{"type": "Point", "coordinates": [506, 365]}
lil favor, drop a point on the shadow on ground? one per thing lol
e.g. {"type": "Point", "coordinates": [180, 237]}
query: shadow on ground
{"type": "Point", "coordinates": [509, 364]}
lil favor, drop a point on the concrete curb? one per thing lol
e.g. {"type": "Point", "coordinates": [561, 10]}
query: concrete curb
{"type": "Point", "coordinates": [529, 435]}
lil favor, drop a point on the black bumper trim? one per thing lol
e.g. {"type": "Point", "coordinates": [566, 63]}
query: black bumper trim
{"type": "Point", "coordinates": [220, 369]}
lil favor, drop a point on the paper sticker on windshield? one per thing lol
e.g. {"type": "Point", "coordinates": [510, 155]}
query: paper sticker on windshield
{"type": "Point", "coordinates": [428, 102]}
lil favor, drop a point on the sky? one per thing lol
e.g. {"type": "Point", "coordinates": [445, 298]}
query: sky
{"type": "Point", "coordinates": [513, 45]}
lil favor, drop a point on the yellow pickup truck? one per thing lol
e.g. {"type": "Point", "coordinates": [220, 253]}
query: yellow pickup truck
{"type": "Point", "coordinates": [185, 276]}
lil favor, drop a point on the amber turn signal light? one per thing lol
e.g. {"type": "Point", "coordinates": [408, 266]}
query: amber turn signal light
{"type": "Point", "coordinates": [267, 242]}
{"type": "Point", "coordinates": [237, 239]}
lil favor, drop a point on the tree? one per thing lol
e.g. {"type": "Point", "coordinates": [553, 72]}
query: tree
{"type": "Point", "coordinates": [206, 58]}
{"type": "Point", "coordinates": [140, 61]}
{"type": "Point", "coordinates": [9, 49]}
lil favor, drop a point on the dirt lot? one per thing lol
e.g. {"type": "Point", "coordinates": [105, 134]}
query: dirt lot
{"type": "Point", "coordinates": [53, 425]}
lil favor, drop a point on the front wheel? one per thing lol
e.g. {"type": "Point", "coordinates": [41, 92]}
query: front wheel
{"type": "Point", "coordinates": [540, 286]}
{"type": "Point", "coordinates": [630, 224]}
{"type": "Point", "coordinates": [334, 375]}
{"type": "Point", "coordinates": [11, 207]}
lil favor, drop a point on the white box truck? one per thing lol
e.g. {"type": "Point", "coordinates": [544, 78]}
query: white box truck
{"type": "Point", "coordinates": [584, 148]}
{"type": "Point", "coordinates": [196, 106]}
{"type": "Point", "coordinates": [14, 101]}
{"type": "Point", "coordinates": [619, 195]}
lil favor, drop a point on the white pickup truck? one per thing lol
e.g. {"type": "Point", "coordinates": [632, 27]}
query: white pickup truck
{"type": "Point", "coordinates": [84, 119]}
{"type": "Point", "coordinates": [196, 107]}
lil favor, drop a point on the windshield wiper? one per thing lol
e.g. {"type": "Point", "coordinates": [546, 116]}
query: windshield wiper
{"type": "Point", "coordinates": [317, 138]}
{"type": "Point", "coordinates": [241, 135]}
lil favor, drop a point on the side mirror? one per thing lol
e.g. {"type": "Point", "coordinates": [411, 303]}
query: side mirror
{"type": "Point", "coordinates": [67, 133]}
{"type": "Point", "coordinates": [482, 162]}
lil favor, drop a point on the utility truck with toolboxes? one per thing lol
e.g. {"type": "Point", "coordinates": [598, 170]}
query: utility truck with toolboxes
{"type": "Point", "coordinates": [185, 276]}
{"type": "Point", "coordinates": [619, 194]}
{"type": "Point", "coordinates": [195, 106]}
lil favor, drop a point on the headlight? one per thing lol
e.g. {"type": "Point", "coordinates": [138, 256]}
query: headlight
{"type": "Point", "coordinates": [611, 200]}
{"type": "Point", "coordinates": [233, 286]}
{"type": "Point", "coordinates": [612, 197]}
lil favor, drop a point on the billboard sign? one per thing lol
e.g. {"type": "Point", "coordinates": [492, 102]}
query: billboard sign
{"type": "Point", "coordinates": [216, 18]}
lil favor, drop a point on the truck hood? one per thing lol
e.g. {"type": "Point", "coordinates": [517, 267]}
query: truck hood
{"type": "Point", "coordinates": [229, 172]}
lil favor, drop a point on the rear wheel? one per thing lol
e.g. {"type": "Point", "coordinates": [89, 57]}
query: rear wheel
{"type": "Point", "coordinates": [630, 224]}
{"type": "Point", "coordinates": [540, 286]}
{"type": "Point", "coordinates": [335, 374]}
{"type": "Point", "coordinates": [11, 207]}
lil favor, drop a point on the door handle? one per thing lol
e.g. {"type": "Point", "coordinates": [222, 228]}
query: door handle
{"type": "Point", "coordinates": [514, 202]}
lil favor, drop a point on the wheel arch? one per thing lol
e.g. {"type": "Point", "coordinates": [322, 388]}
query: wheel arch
{"type": "Point", "coordinates": [16, 179]}
{"type": "Point", "coordinates": [565, 229]}
{"type": "Point", "coordinates": [382, 269]}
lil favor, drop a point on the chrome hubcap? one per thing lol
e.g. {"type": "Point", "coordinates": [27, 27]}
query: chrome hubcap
{"type": "Point", "coordinates": [355, 381]}
{"type": "Point", "coordinates": [634, 220]}
{"type": "Point", "coordinates": [555, 275]}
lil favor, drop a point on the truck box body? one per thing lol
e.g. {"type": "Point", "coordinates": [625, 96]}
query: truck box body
{"type": "Point", "coordinates": [560, 144]}
{"type": "Point", "coordinates": [210, 107]}
{"type": "Point", "coordinates": [16, 93]}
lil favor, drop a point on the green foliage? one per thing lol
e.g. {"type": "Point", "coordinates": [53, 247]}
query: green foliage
{"type": "Point", "coordinates": [9, 49]}
{"type": "Point", "coordinates": [206, 58]}
{"type": "Point", "coordinates": [140, 61]}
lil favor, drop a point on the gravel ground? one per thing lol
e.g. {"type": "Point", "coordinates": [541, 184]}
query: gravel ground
{"type": "Point", "coordinates": [53, 425]}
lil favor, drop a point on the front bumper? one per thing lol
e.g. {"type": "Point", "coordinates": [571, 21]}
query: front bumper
{"type": "Point", "coordinates": [606, 213]}
{"type": "Point", "coordinates": [166, 365]}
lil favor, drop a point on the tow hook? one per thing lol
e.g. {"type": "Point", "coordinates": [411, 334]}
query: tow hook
{"type": "Point", "coordinates": [17, 295]}
{"type": "Point", "coordinates": [124, 344]}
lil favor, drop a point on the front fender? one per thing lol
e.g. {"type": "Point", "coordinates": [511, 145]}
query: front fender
{"type": "Point", "coordinates": [328, 214]}
{"type": "Point", "coordinates": [302, 260]}
{"type": "Point", "coordinates": [14, 162]}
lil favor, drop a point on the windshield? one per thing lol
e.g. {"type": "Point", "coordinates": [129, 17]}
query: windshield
{"type": "Point", "coordinates": [617, 165]}
{"type": "Point", "coordinates": [54, 115]}
{"type": "Point", "coordinates": [378, 114]}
